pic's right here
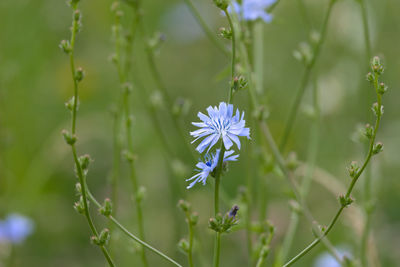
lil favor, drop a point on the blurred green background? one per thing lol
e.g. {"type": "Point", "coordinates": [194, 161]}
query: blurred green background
{"type": "Point", "coordinates": [36, 168]}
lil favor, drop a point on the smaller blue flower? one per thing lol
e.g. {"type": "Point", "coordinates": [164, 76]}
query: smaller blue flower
{"type": "Point", "coordinates": [15, 229]}
{"type": "Point", "coordinates": [207, 167]}
{"type": "Point", "coordinates": [253, 9]}
{"type": "Point", "coordinates": [220, 123]}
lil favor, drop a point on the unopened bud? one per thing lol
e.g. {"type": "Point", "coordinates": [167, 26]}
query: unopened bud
{"type": "Point", "coordinates": [378, 110]}
{"type": "Point", "coordinates": [65, 46]}
{"type": "Point", "coordinates": [345, 201]}
{"type": "Point", "coordinates": [227, 34]}
{"type": "Point", "coordinates": [77, 15]}
{"type": "Point", "coordinates": [378, 147]}
{"type": "Point", "coordinates": [69, 139]}
{"type": "Point", "coordinates": [194, 218]}
{"type": "Point", "coordinates": [184, 205]}
{"type": "Point", "coordinates": [222, 4]}
{"type": "Point", "coordinates": [84, 161]}
{"type": "Point", "coordinates": [106, 209]}
{"type": "Point", "coordinates": [370, 77]}
{"type": "Point", "coordinates": [79, 74]}
{"type": "Point", "coordinates": [183, 244]}
{"type": "Point", "coordinates": [382, 88]}
{"type": "Point", "coordinates": [369, 131]}
{"type": "Point", "coordinates": [70, 104]}
{"type": "Point", "coordinates": [353, 169]}
{"type": "Point", "coordinates": [79, 206]}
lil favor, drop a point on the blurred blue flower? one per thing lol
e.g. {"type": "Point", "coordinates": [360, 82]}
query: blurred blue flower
{"type": "Point", "coordinates": [220, 123]}
{"type": "Point", "coordinates": [15, 229]}
{"type": "Point", "coordinates": [253, 9]}
{"type": "Point", "coordinates": [327, 260]}
{"type": "Point", "coordinates": [207, 167]}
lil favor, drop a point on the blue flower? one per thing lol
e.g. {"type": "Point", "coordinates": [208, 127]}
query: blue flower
{"type": "Point", "coordinates": [327, 260]}
{"type": "Point", "coordinates": [253, 9]}
{"type": "Point", "coordinates": [220, 123]}
{"type": "Point", "coordinates": [15, 229]}
{"type": "Point", "coordinates": [207, 167]}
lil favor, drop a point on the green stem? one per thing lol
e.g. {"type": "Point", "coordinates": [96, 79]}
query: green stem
{"type": "Point", "coordinates": [304, 81]}
{"type": "Point", "coordinates": [81, 176]}
{"type": "Point", "coordinates": [305, 186]}
{"type": "Point", "coordinates": [160, 84]}
{"type": "Point", "coordinates": [122, 74]}
{"type": "Point", "coordinates": [191, 236]}
{"type": "Point", "coordinates": [367, 186]}
{"type": "Point", "coordinates": [139, 212]}
{"type": "Point", "coordinates": [364, 14]}
{"type": "Point", "coordinates": [351, 186]}
{"type": "Point", "coordinates": [217, 249]}
{"type": "Point", "coordinates": [132, 236]}
{"type": "Point", "coordinates": [222, 148]}
{"type": "Point", "coordinates": [206, 29]}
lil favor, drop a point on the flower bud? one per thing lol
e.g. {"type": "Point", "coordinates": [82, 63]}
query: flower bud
{"type": "Point", "coordinates": [65, 46]}
{"type": "Point", "coordinates": [157, 39]}
{"type": "Point", "coordinates": [370, 77]}
{"type": "Point", "coordinates": [233, 211]}
{"type": "Point", "coordinates": [239, 83]}
{"type": "Point", "coordinates": [70, 104]}
{"type": "Point", "coordinates": [292, 162]}
{"type": "Point", "coordinates": [79, 206]}
{"type": "Point", "coordinates": [106, 209]}
{"type": "Point", "coordinates": [73, 3]}
{"type": "Point", "coordinates": [84, 161]}
{"type": "Point", "coordinates": [129, 156]}
{"type": "Point", "coordinates": [345, 201]}
{"type": "Point", "coordinates": [140, 194]}
{"type": "Point", "coordinates": [77, 15]}
{"type": "Point", "coordinates": [295, 206]}
{"type": "Point", "coordinates": [213, 224]}
{"type": "Point", "coordinates": [222, 4]}
{"type": "Point", "coordinates": [369, 131]}
{"type": "Point", "coordinates": [227, 34]}
{"type": "Point", "coordinates": [353, 169]}
{"type": "Point", "coordinates": [78, 188]}
{"type": "Point", "coordinates": [377, 111]}
{"type": "Point", "coordinates": [194, 218]}
{"type": "Point", "coordinates": [69, 139]}
{"type": "Point", "coordinates": [183, 244]}
{"type": "Point", "coordinates": [378, 147]}
{"type": "Point", "coordinates": [315, 37]}
{"type": "Point", "coordinates": [156, 99]}
{"type": "Point", "coordinates": [376, 65]}
{"type": "Point", "coordinates": [382, 88]}
{"type": "Point", "coordinates": [184, 205]}
{"type": "Point", "coordinates": [102, 239]}
{"type": "Point", "coordinates": [79, 74]}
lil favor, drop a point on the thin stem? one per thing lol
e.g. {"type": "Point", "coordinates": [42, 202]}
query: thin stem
{"type": "Point", "coordinates": [206, 29]}
{"type": "Point", "coordinates": [219, 167]}
{"type": "Point", "coordinates": [364, 13]}
{"type": "Point", "coordinates": [351, 186]}
{"type": "Point", "coordinates": [367, 185]}
{"type": "Point", "coordinates": [160, 84]}
{"type": "Point", "coordinates": [217, 249]}
{"type": "Point", "coordinates": [130, 235]}
{"type": "Point", "coordinates": [311, 159]}
{"type": "Point", "coordinates": [304, 80]}
{"type": "Point", "coordinates": [122, 74]}
{"type": "Point", "coordinates": [79, 171]}
{"type": "Point", "coordinates": [190, 253]}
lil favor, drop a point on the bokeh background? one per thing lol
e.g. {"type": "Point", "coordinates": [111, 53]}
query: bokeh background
{"type": "Point", "coordinates": [36, 168]}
